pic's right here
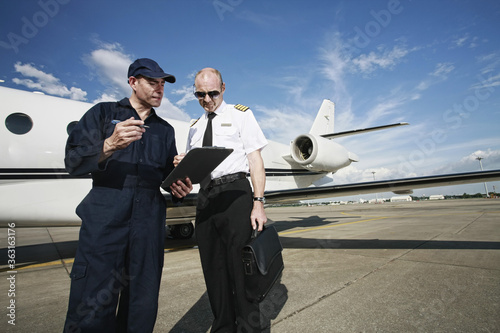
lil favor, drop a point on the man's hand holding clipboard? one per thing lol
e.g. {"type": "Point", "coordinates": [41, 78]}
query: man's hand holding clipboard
{"type": "Point", "coordinates": [181, 188]}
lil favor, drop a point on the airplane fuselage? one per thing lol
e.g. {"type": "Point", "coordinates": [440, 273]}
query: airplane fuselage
{"type": "Point", "coordinates": [34, 185]}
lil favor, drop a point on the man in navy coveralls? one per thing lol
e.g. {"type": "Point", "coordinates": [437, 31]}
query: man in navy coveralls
{"type": "Point", "coordinates": [128, 149]}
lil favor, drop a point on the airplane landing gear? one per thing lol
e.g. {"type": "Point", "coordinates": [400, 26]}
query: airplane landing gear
{"type": "Point", "coordinates": [182, 231]}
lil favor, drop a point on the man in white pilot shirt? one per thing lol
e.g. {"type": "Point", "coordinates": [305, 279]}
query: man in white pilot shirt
{"type": "Point", "coordinates": [227, 210]}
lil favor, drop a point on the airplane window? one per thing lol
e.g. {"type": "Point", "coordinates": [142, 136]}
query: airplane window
{"type": "Point", "coordinates": [71, 125]}
{"type": "Point", "coordinates": [19, 123]}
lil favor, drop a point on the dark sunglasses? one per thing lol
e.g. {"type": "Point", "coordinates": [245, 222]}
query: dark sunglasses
{"type": "Point", "coordinates": [212, 94]}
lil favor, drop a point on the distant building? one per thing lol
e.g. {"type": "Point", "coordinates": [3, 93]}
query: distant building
{"type": "Point", "coordinates": [401, 198]}
{"type": "Point", "coordinates": [376, 201]}
{"type": "Point", "coordinates": [436, 197]}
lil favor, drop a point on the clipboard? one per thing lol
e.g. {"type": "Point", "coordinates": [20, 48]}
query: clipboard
{"type": "Point", "coordinates": [197, 164]}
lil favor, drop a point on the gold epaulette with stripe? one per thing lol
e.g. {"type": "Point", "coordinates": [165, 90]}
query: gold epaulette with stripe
{"type": "Point", "coordinates": [194, 122]}
{"type": "Point", "coordinates": [241, 107]}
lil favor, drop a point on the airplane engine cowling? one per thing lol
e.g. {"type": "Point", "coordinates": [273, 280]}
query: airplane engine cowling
{"type": "Point", "coordinates": [319, 154]}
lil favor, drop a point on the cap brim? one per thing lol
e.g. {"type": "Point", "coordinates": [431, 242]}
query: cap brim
{"type": "Point", "coordinates": [168, 77]}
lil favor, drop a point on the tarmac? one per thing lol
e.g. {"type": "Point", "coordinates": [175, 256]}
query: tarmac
{"type": "Point", "coordinates": [426, 266]}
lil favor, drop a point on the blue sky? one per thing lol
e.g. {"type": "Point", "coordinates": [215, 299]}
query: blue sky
{"type": "Point", "coordinates": [434, 64]}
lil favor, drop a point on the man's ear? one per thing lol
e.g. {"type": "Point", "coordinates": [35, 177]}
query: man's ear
{"type": "Point", "coordinates": [132, 81]}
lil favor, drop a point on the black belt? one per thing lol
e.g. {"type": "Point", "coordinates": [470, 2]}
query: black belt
{"type": "Point", "coordinates": [227, 179]}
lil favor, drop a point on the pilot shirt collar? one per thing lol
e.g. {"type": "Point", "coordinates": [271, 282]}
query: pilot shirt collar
{"type": "Point", "coordinates": [219, 111]}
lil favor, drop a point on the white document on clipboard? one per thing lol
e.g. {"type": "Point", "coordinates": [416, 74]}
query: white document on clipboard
{"type": "Point", "coordinates": [197, 165]}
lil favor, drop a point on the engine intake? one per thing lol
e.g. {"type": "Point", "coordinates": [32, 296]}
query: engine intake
{"type": "Point", "coordinates": [319, 154]}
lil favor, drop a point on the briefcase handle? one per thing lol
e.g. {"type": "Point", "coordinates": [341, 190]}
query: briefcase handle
{"type": "Point", "coordinates": [256, 232]}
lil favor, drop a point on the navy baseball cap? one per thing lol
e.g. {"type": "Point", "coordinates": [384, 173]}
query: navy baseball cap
{"type": "Point", "coordinates": [149, 68]}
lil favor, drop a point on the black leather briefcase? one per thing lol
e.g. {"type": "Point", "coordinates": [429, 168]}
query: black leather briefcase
{"type": "Point", "coordinates": [263, 263]}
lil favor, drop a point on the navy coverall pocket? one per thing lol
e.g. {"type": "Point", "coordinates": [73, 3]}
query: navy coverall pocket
{"type": "Point", "coordinates": [78, 271]}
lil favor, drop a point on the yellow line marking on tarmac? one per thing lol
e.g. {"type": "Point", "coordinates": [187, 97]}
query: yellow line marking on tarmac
{"type": "Point", "coordinates": [71, 260]}
{"type": "Point", "coordinates": [331, 225]}
{"type": "Point", "coordinates": [179, 248]}
{"type": "Point", "coordinates": [45, 264]}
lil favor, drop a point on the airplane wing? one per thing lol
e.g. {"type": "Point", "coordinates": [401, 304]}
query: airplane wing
{"type": "Point", "coordinates": [362, 130]}
{"type": "Point", "coordinates": [394, 185]}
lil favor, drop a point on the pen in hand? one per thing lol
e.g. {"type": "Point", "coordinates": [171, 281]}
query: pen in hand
{"type": "Point", "coordinates": [114, 122]}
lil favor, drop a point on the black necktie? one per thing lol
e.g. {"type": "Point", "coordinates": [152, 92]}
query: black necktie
{"type": "Point", "coordinates": [207, 137]}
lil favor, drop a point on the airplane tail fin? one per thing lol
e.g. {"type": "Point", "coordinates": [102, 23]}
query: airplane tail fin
{"type": "Point", "coordinates": [324, 121]}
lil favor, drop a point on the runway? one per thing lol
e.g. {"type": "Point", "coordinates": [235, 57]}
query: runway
{"type": "Point", "coordinates": [428, 266]}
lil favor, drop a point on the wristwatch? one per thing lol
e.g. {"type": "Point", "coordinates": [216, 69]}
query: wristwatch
{"type": "Point", "coordinates": [261, 199]}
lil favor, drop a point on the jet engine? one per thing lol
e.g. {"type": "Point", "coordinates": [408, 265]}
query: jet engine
{"type": "Point", "coordinates": [318, 154]}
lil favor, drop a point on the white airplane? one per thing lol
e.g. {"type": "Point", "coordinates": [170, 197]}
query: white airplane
{"type": "Point", "coordinates": [36, 190]}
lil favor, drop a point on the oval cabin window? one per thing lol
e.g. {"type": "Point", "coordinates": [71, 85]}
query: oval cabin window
{"type": "Point", "coordinates": [19, 123]}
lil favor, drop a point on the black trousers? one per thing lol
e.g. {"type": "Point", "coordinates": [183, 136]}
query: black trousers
{"type": "Point", "coordinates": [223, 227]}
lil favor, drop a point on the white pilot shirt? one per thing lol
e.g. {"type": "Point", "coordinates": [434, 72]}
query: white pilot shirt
{"type": "Point", "coordinates": [231, 128]}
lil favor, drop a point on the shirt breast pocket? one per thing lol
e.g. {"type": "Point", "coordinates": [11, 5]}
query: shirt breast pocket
{"type": "Point", "coordinates": [226, 136]}
{"type": "Point", "coordinates": [156, 151]}
{"type": "Point", "coordinates": [226, 131]}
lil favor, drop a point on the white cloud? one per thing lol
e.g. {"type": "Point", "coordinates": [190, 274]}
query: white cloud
{"type": "Point", "coordinates": [110, 64]}
{"type": "Point", "coordinates": [385, 59]}
{"type": "Point", "coordinates": [493, 155]}
{"type": "Point", "coordinates": [169, 110]}
{"type": "Point", "coordinates": [297, 122]}
{"type": "Point", "coordinates": [465, 41]}
{"type": "Point", "coordinates": [490, 161]}
{"type": "Point", "coordinates": [45, 82]}
{"type": "Point", "coordinates": [186, 94]}
{"type": "Point", "coordinates": [439, 74]}
{"type": "Point", "coordinates": [443, 69]}
{"type": "Point", "coordinates": [488, 83]}
{"type": "Point", "coordinates": [461, 41]}
{"type": "Point", "coordinates": [389, 105]}
{"type": "Point", "coordinates": [335, 61]}
{"type": "Point", "coordinates": [106, 98]}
